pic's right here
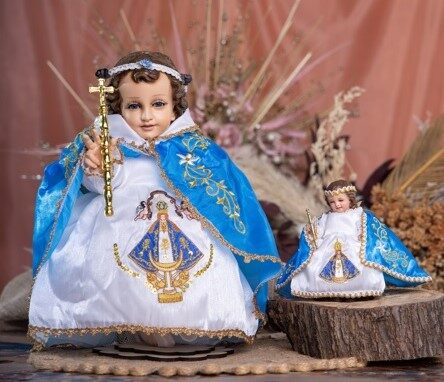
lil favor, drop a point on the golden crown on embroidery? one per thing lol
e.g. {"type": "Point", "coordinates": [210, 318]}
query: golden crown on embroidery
{"type": "Point", "coordinates": [162, 206]}
{"type": "Point", "coordinates": [339, 190]}
{"type": "Point", "coordinates": [338, 246]}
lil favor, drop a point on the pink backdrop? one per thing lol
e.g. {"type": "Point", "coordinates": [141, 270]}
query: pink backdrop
{"type": "Point", "coordinates": [393, 49]}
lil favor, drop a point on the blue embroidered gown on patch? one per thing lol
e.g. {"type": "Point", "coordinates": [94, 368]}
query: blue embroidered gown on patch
{"type": "Point", "coordinates": [187, 253]}
{"type": "Point", "coordinates": [354, 255]}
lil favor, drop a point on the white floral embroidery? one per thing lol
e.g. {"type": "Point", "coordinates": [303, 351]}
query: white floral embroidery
{"type": "Point", "coordinates": [188, 159]}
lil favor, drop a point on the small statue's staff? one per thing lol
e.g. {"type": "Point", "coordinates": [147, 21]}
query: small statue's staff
{"type": "Point", "coordinates": [102, 75]}
{"type": "Point", "coordinates": [313, 231]}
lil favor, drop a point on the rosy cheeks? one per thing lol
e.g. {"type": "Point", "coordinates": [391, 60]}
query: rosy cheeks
{"type": "Point", "coordinates": [147, 107]}
{"type": "Point", "coordinates": [339, 203]}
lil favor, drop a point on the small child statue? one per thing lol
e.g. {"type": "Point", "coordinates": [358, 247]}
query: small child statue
{"type": "Point", "coordinates": [347, 252]}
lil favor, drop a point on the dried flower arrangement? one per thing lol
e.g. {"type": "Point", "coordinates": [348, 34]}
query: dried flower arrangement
{"type": "Point", "coordinates": [419, 225]}
{"type": "Point", "coordinates": [233, 98]}
{"type": "Point", "coordinates": [411, 200]}
{"type": "Point", "coordinates": [329, 146]}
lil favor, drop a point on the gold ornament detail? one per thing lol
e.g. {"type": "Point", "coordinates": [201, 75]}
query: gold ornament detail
{"type": "Point", "coordinates": [105, 143]}
{"type": "Point", "coordinates": [121, 265]}
{"type": "Point", "coordinates": [341, 190]}
{"type": "Point", "coordinates": [207, 265]}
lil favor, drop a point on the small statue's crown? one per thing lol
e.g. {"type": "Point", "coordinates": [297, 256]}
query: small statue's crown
{"type": "Point", "coordinates": [341, 190]}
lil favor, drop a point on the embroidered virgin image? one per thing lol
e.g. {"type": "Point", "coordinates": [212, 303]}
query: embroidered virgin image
{"type": "Point", "coordinates": [339, 268]}
{"type": "Point", "coordinates": [165, 253]}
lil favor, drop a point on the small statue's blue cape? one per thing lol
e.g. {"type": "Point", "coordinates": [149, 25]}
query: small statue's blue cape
{"type": "Point", "coordinates": [383, 251]}
{"type": "Point", "coordinates": [200, 173]}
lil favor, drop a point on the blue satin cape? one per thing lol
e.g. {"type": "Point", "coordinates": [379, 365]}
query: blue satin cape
{"type": "Point", "coordinates": [383, 251]}
{"type": "Point", "coordinates": [199, 172]}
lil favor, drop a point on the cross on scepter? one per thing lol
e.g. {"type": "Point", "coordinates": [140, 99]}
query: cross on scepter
{"type": "Point", "coordinates": [102, 75]}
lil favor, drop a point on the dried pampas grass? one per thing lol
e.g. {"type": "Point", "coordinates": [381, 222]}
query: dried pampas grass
{"type": "Point", "coordinates": [420, 173]}
{"type": "Point", "coordinates": [272, 186]}
{"type": "Point", "coordinates": [329, 146]}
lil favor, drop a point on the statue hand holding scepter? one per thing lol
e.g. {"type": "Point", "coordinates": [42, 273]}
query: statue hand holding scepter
{"type": "Point", "coordinates": [312, 227]}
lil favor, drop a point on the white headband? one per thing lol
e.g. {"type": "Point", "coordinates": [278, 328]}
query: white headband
{"type": "Point", "coordinates": [147, 64]}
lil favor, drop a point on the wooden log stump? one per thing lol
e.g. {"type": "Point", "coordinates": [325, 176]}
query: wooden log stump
{"type": "Point", "coordinates": [400, 325]}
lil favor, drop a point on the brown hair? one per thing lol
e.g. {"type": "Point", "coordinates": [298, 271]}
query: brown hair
{"type": "Point", "coordinates": [114, 100]}
{"type": "Point", "coordinates": [336, 185]}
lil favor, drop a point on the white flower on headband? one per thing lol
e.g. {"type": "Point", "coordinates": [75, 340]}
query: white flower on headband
{"type": "Point", "coordinates": [147, 64]}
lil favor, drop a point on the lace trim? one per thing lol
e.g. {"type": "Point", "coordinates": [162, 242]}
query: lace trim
{"type": "Point", "coordinates": [34, 330]}
{"type": "Point", "coordinates": [147, 147]}
{"type": "Point", "coordinates": [354, 294]}
{"type": "Point", "coordinates": [178, 133]}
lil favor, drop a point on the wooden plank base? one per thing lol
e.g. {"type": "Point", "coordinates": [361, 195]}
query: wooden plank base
{"type": "Point", "coordinates": [400, 325]}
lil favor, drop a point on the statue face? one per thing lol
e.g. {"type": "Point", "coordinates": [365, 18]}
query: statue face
{"type": "Point", "coordinates": [147, 107]}
{"type": "Point", "coordinates": [339, 203]}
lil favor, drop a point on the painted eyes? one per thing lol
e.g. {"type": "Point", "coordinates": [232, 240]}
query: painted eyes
{"type": "Point", "coordinates": [159, 104]}
{"type": "Point", "coordinates": [133, 106]}
{"type": "Point", "coordinates": [137, 105]}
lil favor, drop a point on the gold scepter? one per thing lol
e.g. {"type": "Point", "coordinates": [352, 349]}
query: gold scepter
{"type": "Point", "coordinates": [313, 231]}
{"type": "Point", "coordinates": [102, 75]}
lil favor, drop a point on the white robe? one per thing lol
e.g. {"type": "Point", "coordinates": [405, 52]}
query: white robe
{"type": "Point", "coordinates": [344, 227]}
{"type": "Point", "coordinates": [83, 290]}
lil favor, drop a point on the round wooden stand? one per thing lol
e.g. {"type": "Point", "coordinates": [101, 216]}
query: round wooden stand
{"type": "Point", "coordinates": [400, 325]}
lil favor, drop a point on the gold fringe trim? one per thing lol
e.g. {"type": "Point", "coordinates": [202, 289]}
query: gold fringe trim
{"type": "Point", "coordinates": [177, 134]}
{"type": "Point", "coordinates": [34, 330]}
{"type": "Point", "coordinates": [145, 147]}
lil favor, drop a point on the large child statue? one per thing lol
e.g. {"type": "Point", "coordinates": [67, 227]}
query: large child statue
{"type": "Point", "coordinates": [188, 252]}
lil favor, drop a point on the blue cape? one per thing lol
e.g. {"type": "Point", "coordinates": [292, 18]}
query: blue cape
{"type": "Point", "coordinates": [383, 251]}
{"type": "Point", "coordinates": [201, 174]}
